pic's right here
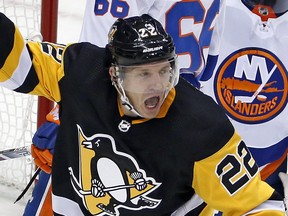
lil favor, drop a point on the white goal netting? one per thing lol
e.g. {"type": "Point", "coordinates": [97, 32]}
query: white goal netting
{"type": "Point", "coordinates": [18, 112]}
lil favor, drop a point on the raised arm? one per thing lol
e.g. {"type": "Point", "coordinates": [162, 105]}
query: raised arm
{"type": "Point", "coordinates": [27, 66]}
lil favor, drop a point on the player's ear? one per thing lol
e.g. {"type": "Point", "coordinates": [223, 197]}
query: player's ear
{"type": "Point", "coordinates": [112, 72]}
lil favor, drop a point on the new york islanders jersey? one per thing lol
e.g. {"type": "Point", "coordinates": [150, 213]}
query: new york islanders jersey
{"type": "Point", "coordinates": [100, 154]}
{"type": "Point", "coordinates": [190, 23]}
{"type": "Point", "coordinates": [247, 75]}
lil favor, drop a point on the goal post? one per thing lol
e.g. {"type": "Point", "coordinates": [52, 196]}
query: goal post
{"type": "Point", "coordinates": [21, 114]}
{"type": "Point", "coordinates": [49, 21]}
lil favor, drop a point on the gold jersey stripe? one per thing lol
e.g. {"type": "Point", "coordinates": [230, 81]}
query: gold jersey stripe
{"type": "Point", "coordinates": [13, 75]}
{"type": "Point", "coordinates": [213, 189]}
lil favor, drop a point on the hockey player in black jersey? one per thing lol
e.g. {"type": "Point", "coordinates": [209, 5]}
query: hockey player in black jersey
{"type": "Point", "coordinates": [134, 138]}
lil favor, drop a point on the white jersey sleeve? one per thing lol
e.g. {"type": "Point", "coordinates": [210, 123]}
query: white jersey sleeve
{"type": "Point", "coordinates": [100, 15]}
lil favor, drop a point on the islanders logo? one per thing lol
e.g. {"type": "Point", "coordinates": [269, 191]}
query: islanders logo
{"type": "Point", "coordinates": [251, 85]}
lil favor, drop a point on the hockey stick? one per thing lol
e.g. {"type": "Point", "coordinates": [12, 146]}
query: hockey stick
{"type": "Point", "coordinates": [250, 99]}
{"type": "Point", "coordinates": [36, 173]}
{"type": "Point", "coordinates": [15, 153]}
{"type": "Point", "coordinates": [284, 179]}
{"type": "Point", "coordinates": [113, 188]}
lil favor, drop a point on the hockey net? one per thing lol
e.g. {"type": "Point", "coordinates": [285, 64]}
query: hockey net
{"type": "Point", "coordinates": [19, 112]}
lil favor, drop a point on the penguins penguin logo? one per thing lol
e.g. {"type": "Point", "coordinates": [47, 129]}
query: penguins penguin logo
{"type": "Point", "coordinates": [109, 179]}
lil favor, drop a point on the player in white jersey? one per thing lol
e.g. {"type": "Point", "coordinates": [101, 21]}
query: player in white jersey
{"type": "Point", "coordinates": [246, 74]}
{"type": "Point", "coordinates": [190, 23]}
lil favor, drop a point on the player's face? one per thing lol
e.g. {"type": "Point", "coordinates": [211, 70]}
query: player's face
{"type": "Point", "coordinates": [145, 86]}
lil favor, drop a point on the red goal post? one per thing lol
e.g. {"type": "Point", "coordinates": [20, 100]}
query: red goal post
{"type": "Point", "coordinates": [49, 20]}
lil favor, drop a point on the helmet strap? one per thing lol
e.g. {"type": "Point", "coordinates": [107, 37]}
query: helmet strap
{"type": "Point", "coordinates": [117, 83]}
{"type": "Point", "coordinates": [124, 99]}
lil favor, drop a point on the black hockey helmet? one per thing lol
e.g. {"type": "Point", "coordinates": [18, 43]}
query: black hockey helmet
{"type": "Point", "coordinates": [139, 40]}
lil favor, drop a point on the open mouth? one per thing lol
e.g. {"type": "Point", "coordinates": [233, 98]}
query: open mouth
{"type": "Point", "coordinates": [152, 102]}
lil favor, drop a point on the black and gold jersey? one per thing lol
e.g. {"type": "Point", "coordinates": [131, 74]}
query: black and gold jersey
{"type": "Point", "coordinates": [106, 163]}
